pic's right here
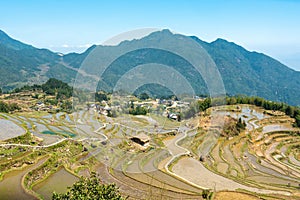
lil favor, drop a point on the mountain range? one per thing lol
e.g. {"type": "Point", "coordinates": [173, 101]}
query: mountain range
{"type": "Point", "coordinates": [242, 71]}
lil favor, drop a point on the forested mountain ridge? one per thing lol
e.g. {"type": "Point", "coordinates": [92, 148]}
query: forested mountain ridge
{"type": "Point", "coordinates": [243, 72]}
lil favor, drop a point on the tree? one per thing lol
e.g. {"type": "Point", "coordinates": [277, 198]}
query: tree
{"type": "Point", "coordinates": [4, 107]}
{"type": "Point", "coordinates": [67, 106]}
{"type": "Point", "coordinates": [240, 125]}
{"type": "Point", "coordinates": [90, 189]}
{"type": "Point", "coordinates": [297, 122]}
{"type": "Point", "coordinates": [100, 96]}
{"type": "Point", "coordinates": [56, 87]}
{"type": "Point", "coordinates": [139, 110]}
{"type": "Point", "coordinates": [143, 96]}
{"type": "Point", "coordinates": [290, 111]}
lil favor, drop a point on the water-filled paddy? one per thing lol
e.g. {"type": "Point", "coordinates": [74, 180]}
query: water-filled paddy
{"type": "Point", "coordinates": [276, 127]}
{"type": "Point", "coordinates": [58, 182]}
{"type": "Point", "coordinates": [9, 129]}
{"type": "Point", "coordinates": [10, 186]}
{"type": "Point", "coordinates": [63, 133]}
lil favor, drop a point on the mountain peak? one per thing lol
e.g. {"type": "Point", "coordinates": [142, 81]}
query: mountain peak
{"type": "Point", "coordinates": [222, 41]}
{"type": "Point", "coordinates": [167, 31]}
{"type": "Point", "coordinates": [243, 72]}
{"type": "Point", "coordinates": [160, 33]}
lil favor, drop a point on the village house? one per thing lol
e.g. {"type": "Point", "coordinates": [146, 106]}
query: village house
{"type": "Point", "coordinates": [141, 140]}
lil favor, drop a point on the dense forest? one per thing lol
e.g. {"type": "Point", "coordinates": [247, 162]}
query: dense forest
{"type": "Point", "coordinates": [53, 86]}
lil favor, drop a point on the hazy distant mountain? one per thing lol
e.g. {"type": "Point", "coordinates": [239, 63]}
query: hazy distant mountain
{"type": "Point", "coordinates": [253, 73]}
{"type": "Point", "coordinates": [243, 72]}
{"type": "Point", "coordinates": [24, 64]}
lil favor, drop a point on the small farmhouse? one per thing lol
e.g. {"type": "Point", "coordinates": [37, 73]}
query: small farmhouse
{"type": "Point", "coordinates": [141, 139]}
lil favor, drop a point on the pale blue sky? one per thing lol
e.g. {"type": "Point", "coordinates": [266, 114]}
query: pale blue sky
{"type": "Point", "coordinates": [268, 26]}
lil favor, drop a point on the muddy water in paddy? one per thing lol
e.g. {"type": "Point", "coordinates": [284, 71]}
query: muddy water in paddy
{"type": "Point", "coordinates": [59, 182]}
{"type": "Point", "coordinates": [10, 186]}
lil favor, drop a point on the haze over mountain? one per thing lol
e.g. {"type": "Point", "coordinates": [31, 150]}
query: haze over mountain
{"type": "Point", "coordinates": [243, 72]}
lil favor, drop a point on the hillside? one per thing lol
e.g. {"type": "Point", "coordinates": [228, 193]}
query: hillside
{"type": "Point", "coordinates": [253, 73]}
{"type": "Point", "coordinates": [243, 72]}
{"type": "Point", "coordinates": [22, 64]}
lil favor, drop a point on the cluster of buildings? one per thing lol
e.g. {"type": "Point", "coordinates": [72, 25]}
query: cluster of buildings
{"type": "Point", "coordinates": [168, 108]}
{"type": "Point", "coordinates": [103, 108]}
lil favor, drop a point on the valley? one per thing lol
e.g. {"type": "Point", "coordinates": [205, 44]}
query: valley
{"type": "Point", "coordinates": [176, 162]}
{"type": "Point", "coordinates": [150, 100]}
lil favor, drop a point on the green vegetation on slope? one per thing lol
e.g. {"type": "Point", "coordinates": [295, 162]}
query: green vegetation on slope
{"type": "Point", "coordinates": [202, 105]}
{"type": "Point", "coordinates": [56, 87]}
{"type": "Point", "coordinates": [53, 87]}
{"type": "Point", "coordinates": [291, 111]}
{"type": "Point", "coordinates": [252, 73]}
{"type": "Point", "coordinates": [243, 72]}
{"type": "Point", "coordinates": [90, 189]}
{"type": "Point", "coordinates": [8, 107]}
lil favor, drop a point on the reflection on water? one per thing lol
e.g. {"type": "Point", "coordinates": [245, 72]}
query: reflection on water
{"type": "Point", "coordinates": [276, 127]}
{"type": "Point", "coordinates": [10, 186]}
{"type": "Point", "coordinates": [58, 182]}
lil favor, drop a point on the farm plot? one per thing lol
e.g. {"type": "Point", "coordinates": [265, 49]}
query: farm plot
{"type": "Point", "coordinates": [10, 130]}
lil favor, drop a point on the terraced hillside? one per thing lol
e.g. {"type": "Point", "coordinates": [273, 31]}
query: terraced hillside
{"type": "Point", "coordinates": [263, 159]}
{"type": "Point", "coordinates": [178, 160]}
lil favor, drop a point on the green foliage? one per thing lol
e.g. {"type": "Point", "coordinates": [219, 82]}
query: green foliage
{"type": "Point", "coordinates": [155, 91]}
{"type": "Point", "coordinates": [5, 107]}
{"type": "Point", "coordinates": [240, 125]}
{"type": "Point", "coordinates": [258, 73]}
{"type": "Point", "coordinates": [53, 87]}
{"type": "Point", "coordinates": [206, 194]}
{"type": "Point", "coordinates": [291, 111]}
{"type": "Point", "coordinates": [196, 107]}
{"type": "Point", "coordinates": [139, 110]}
{"type": "Point", "coordinates": [27, 88]}
{"type": "Point", "coordinates": [52, 101]}
{"type": "Point", "coordinates": [19, 62]}
{"type": "Point", "coordinates": [58, 88]}
{"type": "Point", "coordinates": [143, 96]}
{"type": "Point", "coordinates": [202, 105]}
{"type": "Point", "coordinates": [101, 96]}
{"type": "Point", "coordinates": [233, 127]}
{"type": "Point", "coordinates": [112, 113]}
{"type": "Point", "coordinates": [297, 118]}
{"type": "Point", "coordinates": [60, 72]}
{"type": "Point", "coordinates": [66, 106]}
{"type": "Point", "coordinates": [90, 189]}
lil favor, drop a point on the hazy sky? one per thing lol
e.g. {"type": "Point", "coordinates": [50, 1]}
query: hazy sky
{"type": "Point", "coordinates": [268, 26]}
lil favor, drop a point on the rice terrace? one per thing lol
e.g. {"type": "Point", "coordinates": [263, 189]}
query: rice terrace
{"type": "Point", "coordinates": [255, 153]}
{"type": "Point", "coordinates": [150, 100]}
